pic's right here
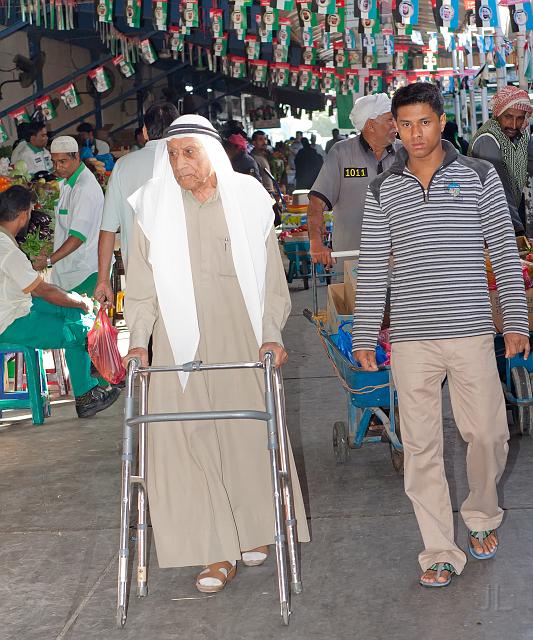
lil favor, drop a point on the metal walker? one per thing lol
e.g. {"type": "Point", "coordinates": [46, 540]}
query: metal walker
{"type": "Point", "coordinates": [274, 415]}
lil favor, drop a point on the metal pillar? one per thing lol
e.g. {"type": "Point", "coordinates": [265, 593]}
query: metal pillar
{"type": "Point", "coordinates": [456, 89]}
{"type": "Point", "coordinates": [501, 73]}
{"type": "Point", "coordinates": [484, 79]}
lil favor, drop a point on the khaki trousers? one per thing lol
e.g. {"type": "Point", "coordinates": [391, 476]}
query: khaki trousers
{"type": "Point", "coordinates": [419, 368]}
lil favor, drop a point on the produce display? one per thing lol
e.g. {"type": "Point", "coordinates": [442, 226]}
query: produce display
{"type": "Point", "coordinates": [525, 250]}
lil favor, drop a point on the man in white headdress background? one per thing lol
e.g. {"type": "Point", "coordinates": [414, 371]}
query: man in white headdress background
{"type": "Point", "coordinates": [349, 168]}
{"type": "Point", "coordinates": [205, 277]}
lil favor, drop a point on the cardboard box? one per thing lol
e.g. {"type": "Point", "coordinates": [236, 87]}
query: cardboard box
{"type": "Point", "coordinates": [497, 314]}
{"type": "Point", "coordinates": [337, 309]}
{"type": "Point", "coordinates": [350, 281]}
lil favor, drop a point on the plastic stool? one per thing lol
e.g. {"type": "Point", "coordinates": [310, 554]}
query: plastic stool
{"type": "Point", "coordinates": [36, 396]}
{"type": "Point", "coordinates": [59, 374]}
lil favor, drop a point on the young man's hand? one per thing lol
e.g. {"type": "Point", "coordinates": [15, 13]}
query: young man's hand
{"type": "Point", "coordinates": [104, 294]}
{"type": "Point", "coordinates": [516, 343]}
{"type": "Point", "coordinates": [367, 359]}
{"type": "Point", "coordinates": [280, 355]}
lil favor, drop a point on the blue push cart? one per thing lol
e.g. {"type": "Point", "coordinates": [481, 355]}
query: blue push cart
{"type": "Point", "coordinates": [371, 398]}
{"type": "Point", "coordinates": [516, 375]}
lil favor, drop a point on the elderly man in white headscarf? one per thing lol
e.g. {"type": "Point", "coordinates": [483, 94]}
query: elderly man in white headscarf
{"type": "Point", "coordinates": [349, 168]}
{"type": "Point", "coordinates": [205, 278]}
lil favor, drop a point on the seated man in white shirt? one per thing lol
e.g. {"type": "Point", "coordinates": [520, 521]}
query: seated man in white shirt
{"type": "Point", "coordinates": [32, 150]}
{"type": "Point", "coordinates": [36, 314]}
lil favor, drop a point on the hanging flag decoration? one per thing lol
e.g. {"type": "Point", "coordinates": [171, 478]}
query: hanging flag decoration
{"type": "Point", "coordinates": [341, 84]}
{"type": "Point", "coordinates": [189, 15]}
{"type": "Point", "coordinates": [238, 67]}
{"type": "Point", "coordinates": [19, 115]}
{"type": "Point", "coordinates": [284, 31]}
{"type": "Point", "coordinates": [217, 22]}
{"type": "Point", "coordinates": [47, 108]}
{"type": "Point", "coordinates": [259, 69]}
{"type": "Point", "coordinates": [3, 133]}
{"type": "Point", "coordinates": [335, 21]}
{"type": "Point", "coordinates": [70, 96]}
{"type": "Point", "coordinates": [366, 9]}
{"type": "Point", "coordinates": [521, 17]}
{"type": "Point", "coordinates": [133, 13]}
{"type": "Point", "coordinates": [124, 66]}
{"type": "Point", "coordinates": [269, 16]}
{"type": "Point", "coordinates": [350, 38]}
{"type": "Point", "coordinates": [401, 57]}
{"type": "Point", "coordinates": [433, 41]}
{"type": "Point", "coordinates": [315, 81]}
{"type": "Point", "coordinates": [447, 14]}
{"type": "Point", "coordinates": [304, 83]}
{"type": "Point", "coordinates": [281, 74]}
{"type": "Point", "coordinates": [430, 62]}
{"type": "Point", "coordinates": [104, 11]}
{"type": "Point", "coordinates": [265, 34]}
{"type": "Point", "coordinates": [486, 14]}
{"type": "Point", "coordinates": [177, 40]}
{"type": "Point", "coordinates": [323, 7]}
{"type": "Point", "coordinates": [355, 59]}
{"type": "Point", "coordinates": [307, 20]}
{"type": "Point", "coordinates": [339, 55]}
{"type": "Point", "coordinates": [404, 29]}
{"type": "Point", "coordinates": [370, 54]}
{"type": "Point", "coordinates": [328, 79]}
{"type": "Point", "coordinates": [221, 46]}
{"type": "Point", "coordinates": [367, 25]}
{"type": "Point", "coordinates": [160, 14]}
{"type": "Point", "coordinates": [528, 63]}
{"type": "Point", "coordinates": [352, 81]}
{"type": "Point", "coordinates": [100, 79]}
{"type": "Point", "coordinates": [282, 5]}
{"type": "Point", "coordinates": [281, 51]}
{"type": "Point", "coordinates": [388, 44]}
{"type": "Point", "coordinates": [148, 53]}
{"type": "Point", "coordinates": [375, 81]}
{"type": "Point", "coordinates": [405, 11]}
{"type": "Point", "coordinates": [252, 47]}
{"type": "Point", "coordinates": [238, 20]}
{"type": "Point", "coordinates": [449, 41]}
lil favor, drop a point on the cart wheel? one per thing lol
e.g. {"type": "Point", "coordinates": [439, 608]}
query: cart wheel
{"type": "Point", "coordinates": [340, 442]}
{"type": "Point", "coordinates": [285, 613]}
{"type": "Point", "coordinates": [121, 617]}
{"type": "Point", "coordinates": [397, 456]}
{"type": "Point", "coordinates": [142, 591]}
{"type": "Point", "coordinates": [522, 415]}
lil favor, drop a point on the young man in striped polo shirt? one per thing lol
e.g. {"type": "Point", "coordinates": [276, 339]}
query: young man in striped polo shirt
{"type": "Point", "coordinates": [435, 210]}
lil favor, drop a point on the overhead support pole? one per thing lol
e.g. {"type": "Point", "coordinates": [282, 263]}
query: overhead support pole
{"type": "Point", "coordinates": [4, 33]}
{"type": "Point", "coordinates": [34, 49]}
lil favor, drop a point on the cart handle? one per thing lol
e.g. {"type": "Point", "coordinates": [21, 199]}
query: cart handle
{"type": "Point", "coordinates": [353, 253]}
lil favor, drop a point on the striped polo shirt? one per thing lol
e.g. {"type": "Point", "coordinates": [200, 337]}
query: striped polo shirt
{"type": "Point", "coordinates": [437, 236]}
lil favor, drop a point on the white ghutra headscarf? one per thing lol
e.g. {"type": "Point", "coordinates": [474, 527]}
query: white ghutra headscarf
{"type": "Point", "coordinates": [160, 212]}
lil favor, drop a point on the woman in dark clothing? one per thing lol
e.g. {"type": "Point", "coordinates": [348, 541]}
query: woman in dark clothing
{"type": "Point", "coordinates": [308, 164]}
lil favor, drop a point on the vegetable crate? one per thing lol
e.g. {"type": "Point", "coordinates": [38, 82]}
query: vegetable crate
{"type": "Point", "coordinates": [516, 375]}
{"type": "Point", "coordinates": [372, 404]}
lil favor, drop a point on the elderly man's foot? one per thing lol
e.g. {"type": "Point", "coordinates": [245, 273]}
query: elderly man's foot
{"type": "Point", "coordinates": [438, 575]}
{"type": "Point", "coordinates": [95, 400]}
{"type": "Point", "coordinates": [255, 557]}
{"type": "Point", "coordinates": [216, 576]}
{"type": "Point", "coordinates": [483, 544]}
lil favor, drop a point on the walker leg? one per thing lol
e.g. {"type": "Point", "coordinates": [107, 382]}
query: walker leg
{"type": "Point", "coordinates": [127, 459]}
{"type": "Point", "coordinates": [142, 585]}
{"type": "Point", "coordinates": [286, 482]}
{"type": "Point", "coordinates": [283, 582]}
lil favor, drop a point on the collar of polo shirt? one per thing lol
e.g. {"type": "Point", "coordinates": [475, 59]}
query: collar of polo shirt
{"type": "Point", "coordinates": [72, 180]}
{"type": "Point", "coordinates": [367, 147]}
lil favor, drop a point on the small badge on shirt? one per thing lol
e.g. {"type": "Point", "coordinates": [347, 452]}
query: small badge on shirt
{"type": "Point", "coordinates": [355, 172]}
{"type": "Point", "coordinates": [454, 189]}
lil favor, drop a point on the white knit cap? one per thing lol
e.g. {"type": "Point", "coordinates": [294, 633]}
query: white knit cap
{"type": "Point", "coordinates": [368, 108]}
{"type": "Point", "coordinates": [64, 144]}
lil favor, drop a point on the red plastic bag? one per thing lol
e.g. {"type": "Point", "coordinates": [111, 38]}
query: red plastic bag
{"type": "Point", "coordinates": [103, 349]}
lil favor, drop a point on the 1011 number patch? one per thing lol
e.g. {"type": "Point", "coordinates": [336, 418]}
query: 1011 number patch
{"type": "Point", "coordinates": [355, 172]}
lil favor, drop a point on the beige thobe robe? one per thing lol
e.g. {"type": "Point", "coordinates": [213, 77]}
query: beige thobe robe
{"type": "Point", "coordinates": [209, 483]}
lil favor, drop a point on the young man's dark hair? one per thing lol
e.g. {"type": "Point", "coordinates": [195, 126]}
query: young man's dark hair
{"type": "Point", "coordinates": [256, 134]}
{"type": "Point", "coordinates": [32, 129]}
{"type": "Point", "coordinates": [13, 202]}
{"type": "Point", "coordinates": [158, 118]}
{"type": "Point", "coordinates": [137, 132]}
{"type": "Point", "coordinates": [85, 127]}
{"type": "Point", "coordinates": [416, 93]}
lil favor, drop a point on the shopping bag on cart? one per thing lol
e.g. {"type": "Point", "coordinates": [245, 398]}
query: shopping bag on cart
{"type": "Point", "coordinates": [103, 349]}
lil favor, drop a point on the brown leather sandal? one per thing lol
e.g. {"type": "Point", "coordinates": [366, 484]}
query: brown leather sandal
{"type": "Point", "coordinates": [215, 577]}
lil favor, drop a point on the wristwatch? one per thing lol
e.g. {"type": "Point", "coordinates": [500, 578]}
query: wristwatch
{"type": "Point", "coordinates": [49, 261]}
